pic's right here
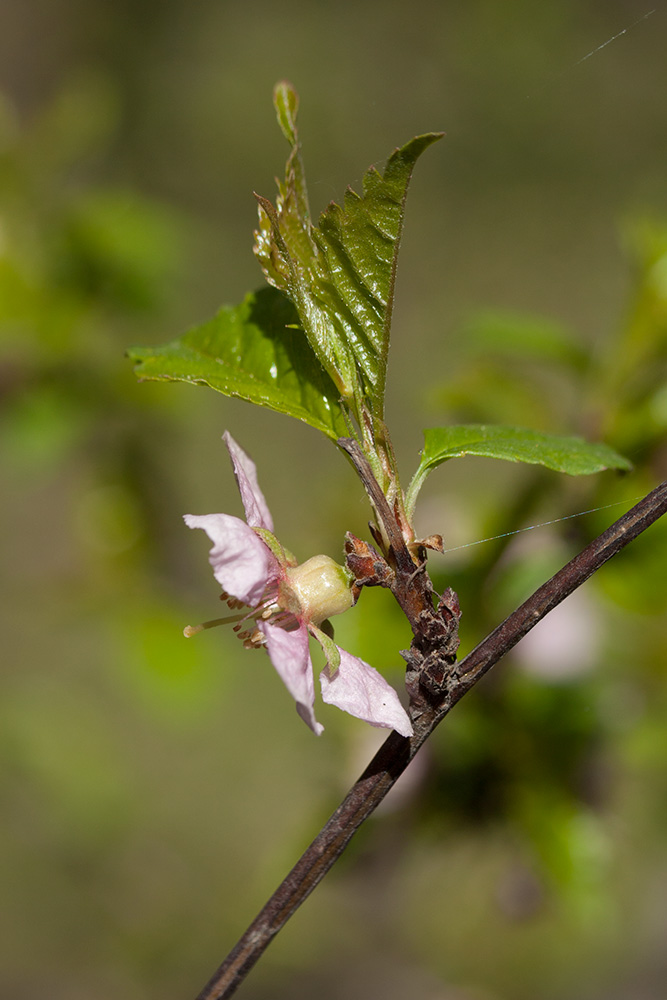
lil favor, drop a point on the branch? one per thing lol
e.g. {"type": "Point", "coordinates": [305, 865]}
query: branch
{"type": "Point", "coordinates": [386, 518]}
{"type": "Point", "coordinates": [397, 752]}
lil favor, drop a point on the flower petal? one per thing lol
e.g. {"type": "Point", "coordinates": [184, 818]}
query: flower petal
{"type": "Point", "coordinates": [359, 689]}
{"type": "Point", "coordinates": [290, 656]}
{"type": "Point", "coordinates": [242, 563]}
{"type": "Point", "coordinates": [257, 512]}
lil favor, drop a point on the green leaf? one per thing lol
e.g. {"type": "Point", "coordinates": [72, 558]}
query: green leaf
{"type": "Point", "coordinates": [255, 352]}
{"type": "Point", "coordinates": [340, 275]}
{"type": "Point", "coordinates": [572, 455]}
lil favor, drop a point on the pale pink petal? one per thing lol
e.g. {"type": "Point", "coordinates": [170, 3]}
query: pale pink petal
{"type": "Point", "coordinates": [257, 512]}
{"type": "Point", "coordinates": [359, 689]}
{"type": "Point", "coordinates": [242, 563]}
{"type": "Point", "coordinates": [290, 656]}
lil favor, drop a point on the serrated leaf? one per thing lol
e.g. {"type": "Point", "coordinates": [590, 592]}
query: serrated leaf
{"type": "Point", "coordinates": [572, 455]}
{"type": "Point", "coordinates": [340, 275]}
{"type": "Point", "coordinates": [253, 352]}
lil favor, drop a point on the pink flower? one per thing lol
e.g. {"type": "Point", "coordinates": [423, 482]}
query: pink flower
{"type": "Point", "coordinates": [277, 604]}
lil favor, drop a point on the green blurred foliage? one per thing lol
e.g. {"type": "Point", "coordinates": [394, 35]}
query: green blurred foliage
{"type": "Point", "coordinates": [155, 791]}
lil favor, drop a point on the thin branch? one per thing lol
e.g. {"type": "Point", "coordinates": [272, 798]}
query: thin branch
{"type": "Point", "coordinates": [397, 752]}
{"type": "Point", "coordinates": [379, 503]}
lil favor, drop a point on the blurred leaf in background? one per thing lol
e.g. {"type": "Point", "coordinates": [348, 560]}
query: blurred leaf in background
{"type": "Point", "coordinates": [145, 818]}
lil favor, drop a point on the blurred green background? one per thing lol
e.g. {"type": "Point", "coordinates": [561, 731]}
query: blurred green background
{"type": "Point", "coordinates": [155, 791]}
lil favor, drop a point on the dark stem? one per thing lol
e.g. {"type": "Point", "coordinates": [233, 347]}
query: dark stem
{"type": "Point", "coordinates": [397, 752]}
{"type": "Point", "coordinates": [410, 584]}
{"type": "Point", "coordinates": [384, 513]}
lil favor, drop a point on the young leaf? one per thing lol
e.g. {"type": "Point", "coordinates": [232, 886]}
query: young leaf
{"type": "Point", "coordinates": [572, 455]}
{"type": "Point", "coordinates": [253, 352]}
{"type": "Point", "coordinates": [340, 275]}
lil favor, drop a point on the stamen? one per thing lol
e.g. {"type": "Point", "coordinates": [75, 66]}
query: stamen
{"type": "Point", "coordinates": [233, 603]}
{"type": "Point", "coordinates": [286, 621]}
{"type": "Point", "coordinates": [245, 623]}
{"type": "Point", "coordinates": [252, 640]}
